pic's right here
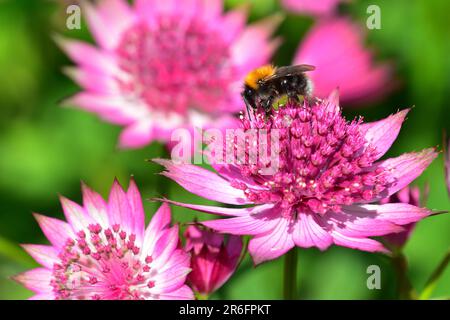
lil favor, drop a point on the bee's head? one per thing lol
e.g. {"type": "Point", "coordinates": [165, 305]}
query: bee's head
{"type": "Point", "coordinates": [249, 94]}
{"type": "Point", "coordinates": [253, 78]}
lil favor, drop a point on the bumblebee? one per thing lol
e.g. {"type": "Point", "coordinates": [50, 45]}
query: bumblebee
{"type": "Point", "coordinates": [264, 85]}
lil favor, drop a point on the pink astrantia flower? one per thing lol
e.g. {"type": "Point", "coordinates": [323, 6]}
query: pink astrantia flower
{"type": "Point", "coordinates": [329, 173]}
{"type": "Point", "coordinates": [160, 65]}
{"type": "Point", "coordinates": [336, 48]}
{"type": "Point", "coordinates": [105, 252]}
{"type": "Point", "coordinates": [312, 7]}
{"type": "Point", "coordinates": [213, 259]}
{"type": "Point", "coordinates": [409, 195]}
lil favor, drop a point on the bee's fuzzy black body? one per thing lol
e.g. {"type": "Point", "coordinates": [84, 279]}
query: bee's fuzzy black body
{"type": "Point", "coordinates": [290, 81]}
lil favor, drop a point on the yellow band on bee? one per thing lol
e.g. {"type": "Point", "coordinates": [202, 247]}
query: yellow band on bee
{"type": "Point", "coordinates": [258, 74]}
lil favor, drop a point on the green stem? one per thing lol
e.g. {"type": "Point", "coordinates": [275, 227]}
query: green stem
{"type": "Point", "coordinates": [200, 296]}
{"type": "Point", "coordinates": [404, 288]}
{"type": "Point", "coordinates": [290, 275]}
{"type": "Point", "coordinates": [433, 280]}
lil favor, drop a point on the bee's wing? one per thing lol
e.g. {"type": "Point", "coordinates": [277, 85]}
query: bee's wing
{"type": "Point", "coordinates": [290, 71]}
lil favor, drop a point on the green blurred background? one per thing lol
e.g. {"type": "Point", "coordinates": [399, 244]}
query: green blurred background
{"type": "Point", "coordinates": [45, 150]}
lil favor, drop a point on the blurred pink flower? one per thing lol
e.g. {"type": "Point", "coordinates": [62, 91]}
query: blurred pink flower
{"type": "Point", "coordinates": [409, 195]}
{"type": "Point", "coordinates": [103, 252]}
{"type": "Point", "coordinates": [336, 48]}
{"type": "Point", "coordinates": [312, 7]}
{"type": "Point", "coordinates": [328, 174]}
{"type": "Point", "coordinates": [160, 65]}
{"type": "Point", "coordinates": [213, 259]}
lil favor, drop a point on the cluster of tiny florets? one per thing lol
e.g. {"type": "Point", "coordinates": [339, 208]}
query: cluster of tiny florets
{"type": "Point", "coordinates": [324, 161]}
{"type": "Point", "coordinates": [102, 264]}
{"type": "Point", "coordinates": [172, 67]}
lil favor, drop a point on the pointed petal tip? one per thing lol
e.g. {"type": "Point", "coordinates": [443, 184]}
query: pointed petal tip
{"type": "Point", "coordinates": [116, 185]}
{"type": "Point", "coordinates": [161, 161]}
{"type": "Point", "coordinates": [59, 39]}
{"type": "Point", "coordinates": [271, 23]}
{"type": "Point", "coordinates": [38, 216]}
{"type": "Point", "coordinates": [64, 201]}
{"type": "Point", "coordinates": [334, 96]}
{"type": "Point", "coordinates": [67, 102]}
{"type": "Point", "coordinates": [243, 8]}
{"type": "Point", "coordinates": [17, 278]}
{"type": "Point", "coordinates": [132, 184]}
{"type": "Point", "coordinates": [70, 71]}
{"type": "Point", "coordinates": [84, 186]}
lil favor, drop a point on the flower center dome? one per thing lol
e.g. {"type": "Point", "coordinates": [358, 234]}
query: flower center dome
{"type": "Point", "coordinates": [173, 65]}
{"type": "Point", "coordinates": [102, 264]}
{"type": "Point", "coordinates": [324, 161]}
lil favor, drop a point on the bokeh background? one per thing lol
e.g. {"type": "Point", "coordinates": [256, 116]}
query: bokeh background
{"type": "Point", "coordinates": [45, 149]}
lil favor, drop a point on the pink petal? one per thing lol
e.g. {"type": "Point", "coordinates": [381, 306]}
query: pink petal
{"type": "Point", "coordinates": [364, 244]}
{"type": "Point", "coordinates": [137, 134]}
{"type": "Point", "coordinates": [382, 134]}
{"type": "Point", "coordinates": [135, 201]}
{"type": "Point", "coordinates": [399, 239]}
{"type": "Point", "coordinates": [183, 293]}
{"type": "Point", "coordinates": [110, 108]}
{"type": "Point", "coordinates": [148, 9]}
{"type": "Point", "coordinates": [398, 213]}
{"type": "Point", "coordinates": [119, 209]}
{"type": "Point", "coordinates": [95, 205]}
{"type": "Point", "coordinates": [37, 280]}
{"type": "Point", "coordinates": [235, 212]}
{"type": "Point", "coordinates": [234, 246]}
{"type": "Point", "coordinates": [250, 50]}
{"type": "Point", "coordinates": [312, 7]}
{"type": "Point", "coordinates": [361, 224]}
{"type": "Point", "coordinates": [159, 222]}
{"type": "Point", "coordinates": [235, 23]}
{"type": "Point", "coordinates": [88, 56]}
{"type": "Point", "coordinates": [56, 231]}
{"type": "Point", "coordinates": [202, 182]}
{"type": "Point", "coordinates": [179, 259]}
{"type": "Point", "coordinates": [107, 21]}
{"type": "Point", "coordinates": [406, 168]}
{"type": "Point", "coordinates": [309, 233]}
{"type": "Point", "coordinates": [93, 81]}
{"type": "Point", "coordinates": [43, 296]}
{"type": "Point", "coordinates": [227, 262]}
{"type": "Point", "coordinates": [46, 256]}
{"type": "Point", "coordinates": [165, 246]}
{"type": "Point", "coordinates": [273, 244]}
{"type": "Point", "coordinates": [233, 173]}
{"type": "Point", "coordinates": [161, 219]}
{"type": "Point", "coordinates": [173, 274]}
{"type": "Point", "coordinates": [252, 224]}
{"type": "Point", "coordinates": [75, 214]}
{"type": "Point", "coordinates": [211, 9]}
{"type": "Point", "coordinates": [335, 47]}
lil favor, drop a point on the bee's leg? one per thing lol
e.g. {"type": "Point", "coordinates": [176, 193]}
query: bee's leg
{"type": "Point", "coordinates": [293, 96]}
{"type": "Point", "coordinates": [290, 90]}
{"type": "Point", "coordinates": [267, 105]}
{"type": "Point", "coordinates": [248, 107]}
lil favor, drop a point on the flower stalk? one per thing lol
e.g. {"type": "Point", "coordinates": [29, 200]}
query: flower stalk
{"type": "Point", "coordinates": [290, 275]}
{"type": "Point", "coordinates": [405, 290]}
